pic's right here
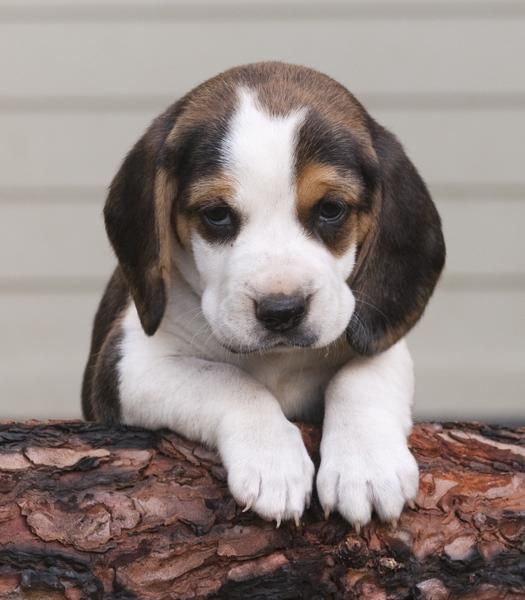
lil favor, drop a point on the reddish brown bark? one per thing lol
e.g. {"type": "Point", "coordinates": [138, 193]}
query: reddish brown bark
{"type": "Point", "coordinates": [88, 511]}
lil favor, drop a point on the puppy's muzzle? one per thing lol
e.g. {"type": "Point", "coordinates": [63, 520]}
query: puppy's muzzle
{"type": "Point", "coordinates": [281, 313]}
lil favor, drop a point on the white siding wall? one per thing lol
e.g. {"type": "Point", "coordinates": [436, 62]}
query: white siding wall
{"type": "Point", "coordinates": [80, 81]}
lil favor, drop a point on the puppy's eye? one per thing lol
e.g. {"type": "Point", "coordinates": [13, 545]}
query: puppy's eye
{"type": "Point", "coordinates": [219, 215]}
{"type": "Point", "coordinates": [219, 223]}
{"type": "Point", "coordinates": [332, 211]}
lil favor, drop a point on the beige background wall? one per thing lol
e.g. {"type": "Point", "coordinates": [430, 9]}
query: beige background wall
{"type": "Point", "coordinates": [79, 82]}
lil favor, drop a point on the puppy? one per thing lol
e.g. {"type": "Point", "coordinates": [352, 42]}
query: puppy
{"type": "Point", "coordinates": [275, 246]}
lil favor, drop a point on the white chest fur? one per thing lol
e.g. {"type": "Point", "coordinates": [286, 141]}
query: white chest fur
{"type": "Point", "coordinates": [297, 378]}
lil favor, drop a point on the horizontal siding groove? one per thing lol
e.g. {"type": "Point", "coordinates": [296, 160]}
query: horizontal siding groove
{"type": "Point", "coordinates": [468, 192]}
{"type": "Point", "coordinates": [478, 191]}
{"type": "Point", "coordinates": [388, 101]}
{"type": "Point", "coordinates": [235, 11]}
{"type": "Point", "coordinates": [484, 282]}
{"type": "Point", "coordinates": [52, 194]}
{"type": "Point", "coordinates": [490, 282]}
{"type": "Point", "coordinates": [58, 285]}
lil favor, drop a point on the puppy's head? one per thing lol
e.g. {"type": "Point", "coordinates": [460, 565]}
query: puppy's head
{"type": "Point", "coordinates": [289, 211]}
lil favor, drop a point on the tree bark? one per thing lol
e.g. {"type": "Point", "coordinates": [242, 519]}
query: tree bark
{"type": "Point", "coordinates": [89, 511]}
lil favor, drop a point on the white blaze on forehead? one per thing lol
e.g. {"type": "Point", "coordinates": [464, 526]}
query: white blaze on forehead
{"type": "Point", "coordinates": [259, 151]}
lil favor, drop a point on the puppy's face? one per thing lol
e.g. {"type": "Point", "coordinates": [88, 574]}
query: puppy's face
{"type": "Point", "coordinates": [265, 187]}
{"type": "Point", "coordinates": [273, 228]}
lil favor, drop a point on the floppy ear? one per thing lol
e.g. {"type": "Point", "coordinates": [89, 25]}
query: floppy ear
{"type": "Point", "coordinates": [137, 217]}
{"type": "Point", "coordinates": [401, 261]}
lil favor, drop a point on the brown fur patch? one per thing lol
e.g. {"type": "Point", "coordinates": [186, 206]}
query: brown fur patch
{"type": "Point", "coordinates": [210, 188]}
{"type": "Point", "coordinates": [200, 193]}
{"type": "Point", "coordinates": [210, 102]}
{"type": "Point", "coordinates": [317, 181]}
{"type": "Point", "coordinates": [182, 225]}
{"type": "Point", "coordinates": [165, 190]}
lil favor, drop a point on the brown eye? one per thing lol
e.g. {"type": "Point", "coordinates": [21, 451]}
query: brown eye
{"type": "Point", "coordinates": [331, 211]}
{"type": "Point", "coordinates": [219, 215]}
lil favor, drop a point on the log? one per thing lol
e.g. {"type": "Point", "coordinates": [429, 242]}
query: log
{"type": "Point", "coordinates": [91, 512]}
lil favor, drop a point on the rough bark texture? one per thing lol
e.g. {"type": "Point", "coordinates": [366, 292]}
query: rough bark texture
{"type": "Point", "coordinates": [93, 512]}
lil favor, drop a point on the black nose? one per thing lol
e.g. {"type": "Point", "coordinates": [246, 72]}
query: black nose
{"type": "Point", "coordinates": [279, 312]}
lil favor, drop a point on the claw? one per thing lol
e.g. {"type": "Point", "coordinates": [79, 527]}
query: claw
{"type": "Point", "coordinates": [357, 527]}
{"type": "Point", "coordinates": [249, 504]}
{"type": "Point", "coordinates": [297, 519]}
{"type": "Point", "coordinates": [327, 512]}
{"type": "Point", "coordinates": [277, 522]}
{"type": "Point", "coordinates": [394, 524]}
{"type": "Point", "coordinates": [308, 500]}
{"type": "Point", "coordinates": [411, 504]}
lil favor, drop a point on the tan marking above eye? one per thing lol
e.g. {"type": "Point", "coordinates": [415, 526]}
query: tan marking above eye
{"type": "Point", "coordinates": [317, 180]}
{"type": "Point", "coordinates": [200, 192]}
{"type": "Point", "coordinates": [207, 189]}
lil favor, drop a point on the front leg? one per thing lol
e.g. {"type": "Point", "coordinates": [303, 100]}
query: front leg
{"type": "Point", "coordinates": [268, 467]}
{"type": "Point", "coordinates": [365, 460]}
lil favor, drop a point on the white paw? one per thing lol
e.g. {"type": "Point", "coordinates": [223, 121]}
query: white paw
{"type": "Point", "coordinates": [269, 470]}
{"type": "Point", "coordinates": [359, 475]}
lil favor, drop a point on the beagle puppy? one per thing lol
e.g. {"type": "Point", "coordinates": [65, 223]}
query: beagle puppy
{"type": "Point", "coordinates": [275, 245]}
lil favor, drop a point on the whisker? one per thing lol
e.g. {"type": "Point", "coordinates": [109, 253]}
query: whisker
{"type": "Point", "coordinates": [371, 305]}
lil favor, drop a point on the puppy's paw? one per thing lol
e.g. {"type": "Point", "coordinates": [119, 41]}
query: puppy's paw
{"type": "Point", "coordinates": [359, 475]}
{"type": "Point", "coordinates": [269, 471]}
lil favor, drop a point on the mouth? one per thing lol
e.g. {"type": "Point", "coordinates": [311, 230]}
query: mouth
{"type": "Point", "coordinates": [280, 344]}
